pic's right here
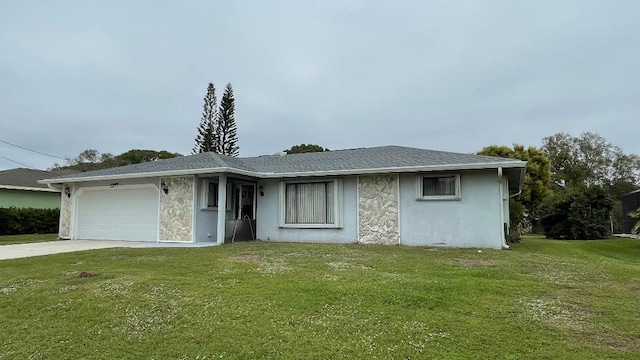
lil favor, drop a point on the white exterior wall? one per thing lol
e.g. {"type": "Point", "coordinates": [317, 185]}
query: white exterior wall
{"type": "Point", "coordinates": [207, 219]}
{"type": "Point", "coordinates": [268, 217]}
{"type": "Point", "coordinates": [472, 221]}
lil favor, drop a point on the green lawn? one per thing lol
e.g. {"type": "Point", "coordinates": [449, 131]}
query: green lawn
{"type": "Point", "coordinates": [23, 239]}
{"type": "Point", "coordinates": [543, 299]}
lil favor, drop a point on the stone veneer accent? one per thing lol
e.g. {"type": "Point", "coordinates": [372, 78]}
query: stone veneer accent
{"type": "Point", "coordinates": [176, 209]}
{"type": "Point", "coordinates": [65, 217]}
{"type": "Point", "coordinates": [378, 209]}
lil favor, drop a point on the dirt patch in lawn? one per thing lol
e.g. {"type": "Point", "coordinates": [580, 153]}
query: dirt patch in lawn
{"type": "Point", "coordinates": [558, 313]}
{"type": "Point", "coordinates": [576, 320]}
{"type": "Point", "coordinates": [248, 258]}
{"type": "Point", "coordinates": [475, 263]}
{"type": "Point", "coordinates": [612, 341]}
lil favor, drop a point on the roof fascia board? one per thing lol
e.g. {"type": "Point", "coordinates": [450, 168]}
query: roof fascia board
{"type": "Point", "coordinates": [491, 165]}
{"type": "Point", "coordinates": [478, 166]}
{"type": "Point", "coordinates": [27, 188]}
{"type": "Point", "coordinates": [148, 174]}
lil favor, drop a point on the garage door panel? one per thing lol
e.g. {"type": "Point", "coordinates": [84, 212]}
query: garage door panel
{"type": "Point", "coordinates": [118, 214]}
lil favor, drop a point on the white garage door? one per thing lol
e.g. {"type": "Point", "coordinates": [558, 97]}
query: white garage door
{"type": "Point", "coordinates": [122, 213]}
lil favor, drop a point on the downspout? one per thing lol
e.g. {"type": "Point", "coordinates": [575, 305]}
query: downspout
{"type": "Point", "coordinates": [501, 192]}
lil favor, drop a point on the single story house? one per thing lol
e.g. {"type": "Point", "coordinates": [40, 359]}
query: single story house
{"type": "Point", "coordinates": [380, 195]}
{"type": "Point", "coordinates": [20, 188]}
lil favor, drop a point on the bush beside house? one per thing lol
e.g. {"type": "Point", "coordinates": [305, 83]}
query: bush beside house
{"type": "Point", "coordinates": [17, 221]}
{"type": "Point", "coordinates": [579, 213]}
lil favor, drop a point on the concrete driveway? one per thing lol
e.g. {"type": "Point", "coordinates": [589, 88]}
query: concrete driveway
{"type": "Point", "coordinates": [17, 251]}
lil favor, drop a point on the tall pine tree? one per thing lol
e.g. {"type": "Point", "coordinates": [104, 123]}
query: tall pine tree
{"type": "Point", "coordinates": [225, 130]}
{"type": "Point", "coordinates": [206, 138]}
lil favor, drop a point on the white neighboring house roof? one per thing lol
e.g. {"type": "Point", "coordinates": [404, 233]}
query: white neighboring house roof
{"type": "Point", "coordinates": [385, 159]}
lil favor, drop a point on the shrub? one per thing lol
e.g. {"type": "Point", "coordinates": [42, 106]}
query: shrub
{"type": "Point", "coordinates": [516, 221]}
{"type": "Point", "coordinates": [579, 213]}
{"type": "Point", "coordinates": [15, 221]}
{"type": "Point", "coordinates": [514, 237]}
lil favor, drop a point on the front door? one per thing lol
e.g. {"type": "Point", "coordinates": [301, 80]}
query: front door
{"type": "Point", "coordinates": [246, 202]}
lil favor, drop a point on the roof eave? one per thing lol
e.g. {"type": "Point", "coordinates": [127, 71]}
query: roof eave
{"type": "Point", "coordinates": [27, 188]}
{"type": "Point", "coordinates": [147, 175]}
{"type": "Point", "coordinates": [429, 168]}
{"type": "Point", "coordinates": [404, 169]}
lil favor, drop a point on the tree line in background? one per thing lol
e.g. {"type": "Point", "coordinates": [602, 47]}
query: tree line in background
{"type": "Point", "coordinates": [92, 159]}
{"type": "Point", "coordinates": [305, 148]}
{"type": "Point", "coordinates": [572, 187]}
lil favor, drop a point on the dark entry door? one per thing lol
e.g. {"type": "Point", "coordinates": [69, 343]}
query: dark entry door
{"type": "Point", "coordinates": [244, 225]}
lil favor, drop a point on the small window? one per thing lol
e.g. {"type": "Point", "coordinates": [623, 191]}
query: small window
{"type": "Point", "coordinates": [210, 198]}
{"type": "Point", "coordinates": [212, 195]}
{"type": "Point", "coordinates": [439, 187]}
{"type": "Point", "coordinates": [312, 204]}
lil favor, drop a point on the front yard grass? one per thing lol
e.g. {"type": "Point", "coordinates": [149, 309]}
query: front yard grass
{"type": "Point", "coordinates": [543, 299]}
{"type": "Point", "coordinates": [29, 238]}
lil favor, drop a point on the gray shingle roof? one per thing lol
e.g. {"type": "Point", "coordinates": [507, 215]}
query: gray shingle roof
{"type": "Point", "coordinates": [29, 177]}
{"type": "Point", "coordinates": [386, 157]}
{"type": "Point", "coordinates": [364, 158]}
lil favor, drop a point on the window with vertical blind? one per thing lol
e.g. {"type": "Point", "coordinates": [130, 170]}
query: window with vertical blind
{"type": "Point", "coordinates": [439, 187]}
{"type": "Point", "coordinates": [310, 204]}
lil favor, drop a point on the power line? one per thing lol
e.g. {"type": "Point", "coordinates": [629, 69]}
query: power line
{"type": "Point", "coordinates": [35, 151]}
{"type": "Point", "coordinates": [17, 162]}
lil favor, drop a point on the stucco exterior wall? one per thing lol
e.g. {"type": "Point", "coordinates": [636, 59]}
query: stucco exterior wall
{"type": "Point", "coordinates": [268, 217]}
{"type": "Point", "coordinates": [207, 219]}
{"type": "Point", "coordinates": [472, 221]}
{"type": "Point", "coordinates": [29, 199]}
{"type": "Point", "coordinates": [176, 209]}
{"type": "Point", "coordinates": [378, 204]}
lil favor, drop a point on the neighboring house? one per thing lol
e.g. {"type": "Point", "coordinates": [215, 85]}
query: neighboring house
{"type": "Point", "coordinates": [630, 202]}
{"type": "Point", "coordinates": [381, 195]}
{"type": "Point", "coordinates": [20, 188]}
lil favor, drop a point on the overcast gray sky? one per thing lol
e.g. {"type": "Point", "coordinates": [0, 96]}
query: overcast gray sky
{"type": "Point", "coordinates": [443, 75]}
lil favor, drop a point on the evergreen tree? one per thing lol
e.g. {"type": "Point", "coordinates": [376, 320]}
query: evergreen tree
{"type": "Point", "coordinates": [206, 138]}
{"type": "Point", "coordinates": [225, 131]}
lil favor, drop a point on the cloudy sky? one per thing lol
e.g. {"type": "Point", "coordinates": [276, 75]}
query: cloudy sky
{"type": "Point", "coordinates": [444, 75]}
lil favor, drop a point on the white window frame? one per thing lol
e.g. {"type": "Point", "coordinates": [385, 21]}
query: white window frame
{"type": "Point", "coordinates": [337, 204]}
{"type": "Point", "coordinates": [204, 200]}
{"type": "Point", "coordinates": [420, 183]}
